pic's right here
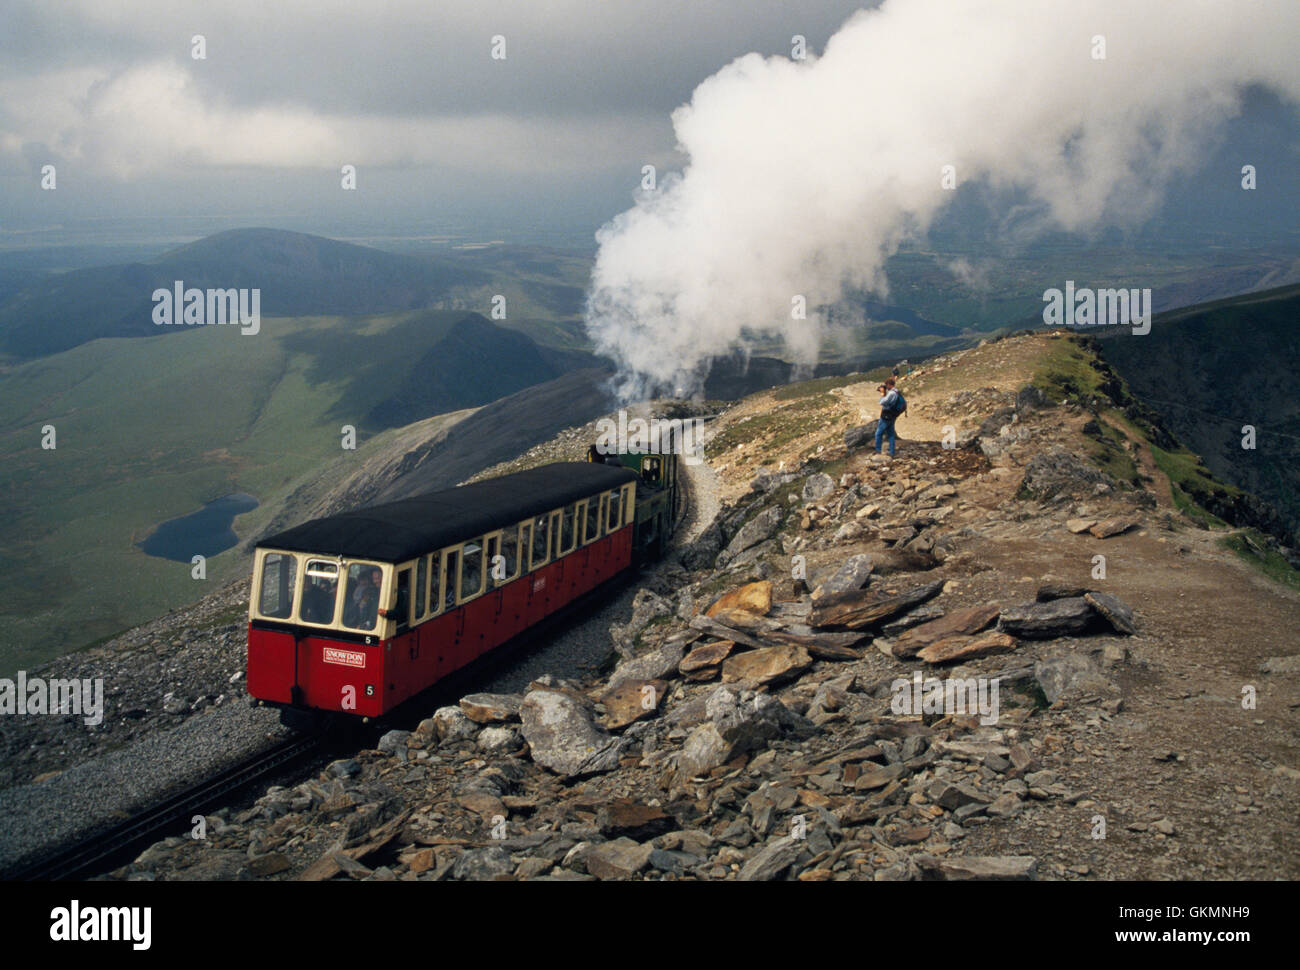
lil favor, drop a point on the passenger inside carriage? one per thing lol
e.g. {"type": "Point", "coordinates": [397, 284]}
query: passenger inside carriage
{"type": "Point", "coordinates": [362, 609]}
{"type": "Point", "coordinates": [318, 600]}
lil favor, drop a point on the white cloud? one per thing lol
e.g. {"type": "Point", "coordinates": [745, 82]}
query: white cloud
{"type": "Point", "coordinates": [805, 177]}
{"type": "Point", "coordinates": [153, 118]}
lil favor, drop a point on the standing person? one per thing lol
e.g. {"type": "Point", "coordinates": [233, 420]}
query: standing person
{"type": "Point", "coordinates": [891, 407]}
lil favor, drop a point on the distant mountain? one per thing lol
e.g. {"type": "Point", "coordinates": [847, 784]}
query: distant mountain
{"type": "Point", "coordinates": [297, 274]}
{"type": "Point", "coordinates": [1211, 370]}
{"type": "Point", "coordinates": [474, 363]}
{"type": "Point", "coordinates": [505, 429]}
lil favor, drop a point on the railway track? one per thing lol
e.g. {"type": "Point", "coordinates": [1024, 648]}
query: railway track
{"type": "Point", "coordinates": [102, 851]}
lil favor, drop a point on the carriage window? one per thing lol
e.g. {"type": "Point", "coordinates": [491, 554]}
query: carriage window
{"type": "Point", "coordinates": [510, 552]}
{"type": "Point", "coordinates": [361, 598]}
{"type": "Point", "coordinates": [403, 600]}
{"type": "Point", "coordinates": [451, 571]}
{"type": "Point", "coordinates": [592, 531]}
{"type": "Point", "coordinates": [541, 533]}
{"type": "Point", "coordinates": [421, 584]}
{"type": "Point", "coordinates": [278, 574]}
{"type": "Point", "coordinates": [567, 535]}
{"type": "Point", "coordinates": [615, 506]}
{"type": "Point", "coordinates": [650, 470]}
{"type": "Point", "coordinates": [471, 576]}
{"type": "Point", "coordinates": [319, 592]}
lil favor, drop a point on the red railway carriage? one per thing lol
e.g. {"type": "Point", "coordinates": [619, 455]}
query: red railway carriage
{"type": "Point", "coordinates": [359, 611]}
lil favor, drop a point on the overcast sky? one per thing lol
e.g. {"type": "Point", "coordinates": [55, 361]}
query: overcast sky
{"type": "Point", "coordinates": [444, 136]}
{"type": "Point", "coordinates": [408, 91]}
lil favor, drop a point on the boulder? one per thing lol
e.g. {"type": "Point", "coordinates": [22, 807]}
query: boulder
{"type": "Point", "coordinates": [861, 436]}
{"type": "Point", "coordinates": [853, 575]}
{"type": "Point", "coordinates": [631, 701]}
{"type": "Point", "coordinates": [817, 487]}
{"type": "Point", "coordinates": [753, 598]}
{"type": "Point", "coordinates": [916, 617]}
{"type": "Point", "coordinates": [952, 649]}
{"type": "Point", "coordinates": [1052, 588]}
{"type": "Point", "coordinates": [392, 741]}
{"type": "Point", "coordinates": [771, 861]}
{"type": "Point", "coordinates": [767, 481]}
{"type": "Point", "coordinates": [859, 609]}
{"type": "Point", "coordinates": [562, 737]}
{"type": "Point", "coordinates": [451, 724]}
{"type": "Point", "coordinates": [737, 722]}
{"type": "Point", "coordinates": [633, 819]}
{"type": "Point", "coordinates": [704, 662]}
{"type": "Point", "coordinates": [758, 529]}
{"type": "Point", "coordinates": [477, 865]}
{"type": "Point", "coordinates": [1072, 677]}
{"type": "Point", "coordinates": [499, 740]}
{"type": "Point", "coordinates": [963, 622]}
{"type": "Point", "coordinates": [490, 708]}
{"type": "Point", "coordinates": [1114, 610]}
{"type": "Point", "coordinates": [658, 664]}
{"type": "Point", "coordinates": [1112, 527]}
{"type": "Point", "coordinates": [620, 859]}
{"type": "Point", "coordinates": [950, 796]}
{"type": "Point", "coordinates": [769, 665]}
{"type": "Point", "coordinates": [1043, 621]}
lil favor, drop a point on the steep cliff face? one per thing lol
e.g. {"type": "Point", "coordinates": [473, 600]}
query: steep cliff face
{"type": "Point", "coordinates": [1224, 378]}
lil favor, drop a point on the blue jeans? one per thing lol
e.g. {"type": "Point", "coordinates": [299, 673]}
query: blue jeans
{"type": "Point", "coordinates": [882, 428]}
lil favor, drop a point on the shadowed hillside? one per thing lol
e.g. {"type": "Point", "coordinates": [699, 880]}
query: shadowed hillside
{"type": "Point", "coordinates": [1213, 369]}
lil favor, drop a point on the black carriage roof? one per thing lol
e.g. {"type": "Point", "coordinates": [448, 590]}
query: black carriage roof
{"type": "Point", "coordinates": [397, 531]}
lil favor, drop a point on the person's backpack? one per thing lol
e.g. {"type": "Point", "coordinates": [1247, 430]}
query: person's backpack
{"type": "Point", "coordinates": [900, 406]}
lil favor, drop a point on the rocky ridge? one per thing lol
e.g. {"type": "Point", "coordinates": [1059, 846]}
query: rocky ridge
{"type": "Point", "coordinates": [754, 724]}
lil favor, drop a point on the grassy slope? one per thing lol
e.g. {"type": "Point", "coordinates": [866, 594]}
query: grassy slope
{"type": "Point", "coordinates": [150, 429]}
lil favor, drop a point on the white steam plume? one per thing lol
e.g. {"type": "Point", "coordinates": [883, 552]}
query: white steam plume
{"type": "Point", "coordinates": [803, 177]}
